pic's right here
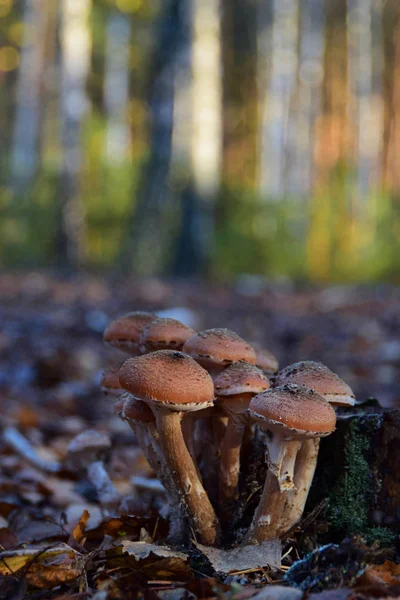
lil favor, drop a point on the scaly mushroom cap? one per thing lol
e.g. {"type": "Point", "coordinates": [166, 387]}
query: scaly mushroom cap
{"type": "Point", "coordinates": [169, 379]}
{"type": "Point", "coordinates": [293, 410]}
{"type": "Point", "coordinates": [219, 348]}
{"type": "Point", "coordinates": [109, 382]}
{"type": "Point", "coordinates": [319, 378]}
{"type": "Point", "coordinates": [236, 386]}
{"type": "Point", "coordinates": [124, 332]}
{"type": "Point", "coordinates": [241, 378]}
{"type": "Point", "coordinates": [136, 410]}
{"type": "Point", "coordinates": [163, 334]}
{"type": "Point", "coordinates": [266, 360]}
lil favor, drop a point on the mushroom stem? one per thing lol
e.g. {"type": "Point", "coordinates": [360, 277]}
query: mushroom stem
{"type": "Point", "coordinates": [230, 461]}
{"type": "Point", "coordinates": [184, 474]}
{"type": "Point", "coordinates": [281, 459]}
{"type": "Point", "coordinates": [306, 463]}
{"type": "Point", "coordinates": [148, 440]}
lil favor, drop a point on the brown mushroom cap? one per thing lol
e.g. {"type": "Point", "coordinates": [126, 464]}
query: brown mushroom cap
{"type": "Point", "coordinates": [168, 378]}
{"type": "Point", "coordinates": [219, 347]}
{"type": "Point", "coordinates": [124, 332]}
{"type": "Point", "coordinates": [317, 377]}
{"type": "Point", "coordinates": [136, 410]}
{"type": "Point", "coordinates": [241, 378]}
{"type": "Point", "coordinates": [163, 334]}
{"type": "Point", "coordinates": [119, 406]}
{"type": "Point", "coordinates": [293, 408]}
{"type": "Point", "coordinates": [109, 382]}
{"type": "Point", "coordinates": [266, 360]}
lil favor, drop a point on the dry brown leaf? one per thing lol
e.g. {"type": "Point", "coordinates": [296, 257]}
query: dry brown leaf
{"type": "Point", "coordinates": [78, 532]}
{"type": "Point", "coordinates": [156, 562]}
{"type": "Point", "coordinates": [388, 573]}
{"type": "Point", "coordinates": [244, 557]}
{"type": "Point", "coordinates": [43, 567]}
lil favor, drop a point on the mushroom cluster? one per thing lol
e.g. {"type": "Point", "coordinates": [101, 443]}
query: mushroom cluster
{"type": "Point", "coordinates": [194, 400]}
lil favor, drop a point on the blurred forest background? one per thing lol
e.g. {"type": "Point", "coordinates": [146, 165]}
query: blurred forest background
{"type": "Point", "coordinates": [192, 136]}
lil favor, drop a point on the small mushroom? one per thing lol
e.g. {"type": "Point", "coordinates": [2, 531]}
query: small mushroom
{"type": "Point", "coordinates": [172, 383]}
{"type": "Point", "coordinates": [318, 377]}
{"type": "Point", "coordinates": [124, 333]}
{"type": "Point", "coordinates": [215, 349]}
{"type": "Point", "coordinates": [265, 360]}
{"type": "Point", "coordinates": [335, 391]}
{"type": "Point", "coordinates": [164, 334]}
{"type": "Point", "coordinates": [109, 382]}
{"type": "Point", "coordinates": [289, 414]}
{"type": "Point", "coordinates": [234, 389]}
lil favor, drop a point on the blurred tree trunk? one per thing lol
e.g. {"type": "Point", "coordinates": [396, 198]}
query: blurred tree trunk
{"type": "Point", "coordinates": [75, 62]}
{"type": "Point", "coordinates": [391, 138]}
{"type": "Point", "coordinates": [148, 244]}
{"type": "Point", "coordinates": [240, 93]}
{"type": "Point", "coordinates": [278, 96]}
{"type": "Point", "coordinates": [116, 88]}
{"type": "Point", "coordinates": [365, 110]}
{"type": "Point", "coordinates": [331, 139]}
{"type": "Point", "coordinates": [29, 102]}
{"type": "Point", "coordinates": [307, 100]}
{"type": "Point", "coordinates": [196, 234]}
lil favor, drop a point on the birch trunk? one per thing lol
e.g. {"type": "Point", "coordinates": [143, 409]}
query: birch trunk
{"type": "Point", "coordinates": [25, 139]}
{"type": "Point", "coordinates": [300, 155]}
{"type": "Point", "coordinates": [116, 89]}
{"type": "Point", "coordinates": [276, 104]}
{"type": "Point", "coordinates": [75, 62]}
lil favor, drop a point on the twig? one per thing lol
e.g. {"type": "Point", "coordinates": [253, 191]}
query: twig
{"type": "Point", "coordinates": [23, 447]}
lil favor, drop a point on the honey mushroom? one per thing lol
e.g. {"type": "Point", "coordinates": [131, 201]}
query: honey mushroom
{"type": "Point", "coordinates": [172, 383]}
{"type": "Point", "coordinates": [124, 333]}
{"type": "Point", "coordinates": [234, 388]}
{"type": "Point", "coordinates": [214, 349]}
{"type": "Point", "coordinates": [338, 393]}
{"type": "Point", "coordinates": [289, 414]}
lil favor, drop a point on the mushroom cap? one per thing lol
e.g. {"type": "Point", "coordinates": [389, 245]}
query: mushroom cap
{"type": "Point", "coordinates": [124, 332]}
{"type": "Point", "coordinates": [169, 379]}
{"type": "Point", "coordinates": [219, 347]}
{"type": "Point", "coordinates": [236, 386]}
{"type": "Point", "coordinates": [163, 334]}
{"type": "Point", "coordinates": [265, 360]}
{"type": "Point", "coordinates": [241, 378]}
{"type": "Point", "coordinates": [136, 410]}
{"type": "Point", "coordinates": [293, 410]}
{"type": "Point", "coordinates": [109, 382]}
{"type": "Point", "coordinates": [318, 377]}
{"type": "Point", "coordinates": [119, 406]}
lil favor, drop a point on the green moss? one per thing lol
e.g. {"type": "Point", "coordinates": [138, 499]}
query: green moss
{"type": "Point", "coordinates": [349, 499]}
{"type": "Point", "coordinates": [353, 495]}
{"type": "Point", "coordinates": [383, 535]}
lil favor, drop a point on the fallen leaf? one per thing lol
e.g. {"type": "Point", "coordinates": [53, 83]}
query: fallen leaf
{"type": "Point", "coordinates": [141, 550]}
{"type": "Point", "coordinates": [244, 557]}
{"type": "Point", "coordinates": [278, 592]}
{"type": "Point", "coordinates": [43, 567]}
{"type": "Point", "coordinates": [388, 573]}
{"type": "Point", "coordinates": [155, 562]}
{"type": "Point", "coordinates": [78, 532]}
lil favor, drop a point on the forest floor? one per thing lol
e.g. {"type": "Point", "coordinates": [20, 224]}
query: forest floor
{"type": "Point", "coordinates": [56, 539]}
